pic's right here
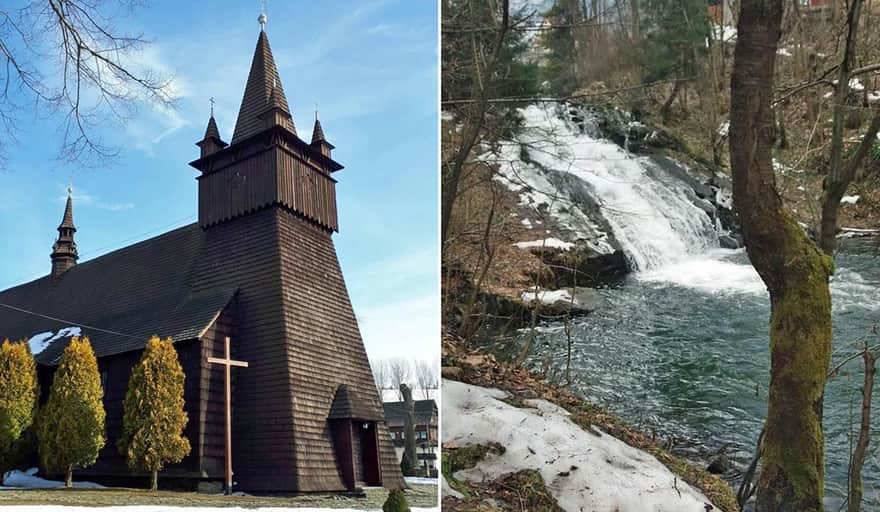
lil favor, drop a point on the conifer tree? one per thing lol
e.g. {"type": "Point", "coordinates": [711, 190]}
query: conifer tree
{"type": "Point", "coordinates": [19, 393]}
{"type": "Point", "coordinates": [70, 428]}
{"type": "Point", "coordinates": [154, 417]}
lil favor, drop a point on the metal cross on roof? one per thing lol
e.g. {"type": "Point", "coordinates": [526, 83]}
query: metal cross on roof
{"type": "Point", "coordinates": [262, 17]}
{"type": "Point", "coordinates": [211, 99]}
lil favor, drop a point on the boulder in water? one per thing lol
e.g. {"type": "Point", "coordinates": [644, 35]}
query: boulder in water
{"type": "Point", "coordinates": [729, 241]}
{"type": "Point", "coordinates": [719, 465]}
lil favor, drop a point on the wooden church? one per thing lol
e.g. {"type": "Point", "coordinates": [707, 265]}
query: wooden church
{"type": "Point", "coordinates": [260, 267]}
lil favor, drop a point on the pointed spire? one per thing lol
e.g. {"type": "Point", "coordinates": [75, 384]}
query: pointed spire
{"type": "Point", "coordinates": [318, 131]}
{"type": "Point", "coordinates": [212, 130]}
{"type": "Point", "coordinates": [211, 142]}
{"type": "Point", "coordinates": [64, 253]}
{"type": "Point", "coordinates": [67, 221]}
{"type": "Point", "coordinates": [318, 140]}
{"type": "Point", "coordinates": [262, 93]}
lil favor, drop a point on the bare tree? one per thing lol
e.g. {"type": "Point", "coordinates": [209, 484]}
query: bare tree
{"type": "Point", "coordinates": [842, 171]}
{"type": "Point", "coordinates": [380, 375]}
{"type": "Point", "coordinates": [426, 377]}
{"type": "Point", "coordinates": [399, 372]}
{"type": "Point", "coordinates": [95, 76]}
{"type": "Point", "coordinates": [794, 270]}
{"type": "Point", "coordinates": [858, 456]}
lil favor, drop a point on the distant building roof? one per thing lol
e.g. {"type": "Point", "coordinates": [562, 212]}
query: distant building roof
{"type": "Point", "coordinates": [425, 413]}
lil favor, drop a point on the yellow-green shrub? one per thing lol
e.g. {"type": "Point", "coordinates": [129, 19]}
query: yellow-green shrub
{"type": "Point", "coordinates": [154, 416]}
{"type": "Point", "coordinates": [19, 393]}
{"type": "Point", "coordinates": [70, 428]}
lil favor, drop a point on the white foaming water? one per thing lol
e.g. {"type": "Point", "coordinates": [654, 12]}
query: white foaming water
{"type": "Point", "coordinates": [710, 272]}
{"type": "Point", "coordinates": [651, 214]}
{"type": "Point", "coordinates": [666, 238]}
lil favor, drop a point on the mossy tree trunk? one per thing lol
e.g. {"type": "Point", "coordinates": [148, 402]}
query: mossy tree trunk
{"type": "Point", "coordinates": [794, 270]}
{"type": "Point", "coordinates": [154, 481]}
{"type": "Point", "coordinates": [68, 478]}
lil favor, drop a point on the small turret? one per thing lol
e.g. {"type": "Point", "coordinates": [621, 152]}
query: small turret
{"type": "Point", "coordinates": [211, 142]}
{"type": "Point", "coordinates": [319, 142]}
{"type": "Point", "coordinates": [64, 253]}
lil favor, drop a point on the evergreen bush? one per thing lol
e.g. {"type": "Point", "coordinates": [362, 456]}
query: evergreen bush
{"type": "Point", "coordinates": [19, 393]}
{"type": "Point", "coordinates": [70, 427]}
{"type": "Point", "coordinates": [154, 416]}
{"type": "Point", "coordinates": [396, 502]}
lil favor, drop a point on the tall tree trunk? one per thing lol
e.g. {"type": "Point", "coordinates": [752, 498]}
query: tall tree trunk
{"type": "Point", "coordinates": [473, 125]}
{"type": "Point", "coordinates": [836, 182]}
{"type": "Point", "coordinates": [68, 478]}
{"type": "Point", "coordinates": [858, 458]}
{"type": "Point", "coordinates": [794, 270]}
{"type": "Point", "coordinates": [409, 430]}
{"type": "Point", "coordinates": [154, 481]}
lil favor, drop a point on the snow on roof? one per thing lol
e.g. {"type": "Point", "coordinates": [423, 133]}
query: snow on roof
{"type": "Point", "coordinates": [583, 470]}
{"type": "Point", "coordinates": [40, 342]}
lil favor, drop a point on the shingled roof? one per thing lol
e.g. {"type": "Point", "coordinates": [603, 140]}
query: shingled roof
{"type": "Point", "coordinates": [347, 404]}
{"type": "Point", "coordinates": [263, 85]}
{"type": "Point", "coordinates": [425, 412]}
{"type": "Point", "coordinates": [119, 299]}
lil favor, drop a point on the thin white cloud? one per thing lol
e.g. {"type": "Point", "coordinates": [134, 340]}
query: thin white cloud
{"type": "Point", "coordinates": [408, 328]}
{"type": "Point", "coordinates": [82, 198]}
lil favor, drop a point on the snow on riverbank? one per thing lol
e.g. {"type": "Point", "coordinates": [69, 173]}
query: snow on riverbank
{"type": "Point", "coordinates": [160, 508]}
{"type": "Point", "coordinates": [28, 480]}
{"type": "Point", "coordinates": [583, 470]}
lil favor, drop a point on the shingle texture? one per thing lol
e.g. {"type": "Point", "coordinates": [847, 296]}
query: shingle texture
{"type": "Point", "coordinates": [135, 292]}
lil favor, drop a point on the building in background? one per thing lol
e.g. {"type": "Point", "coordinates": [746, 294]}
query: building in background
{"type": "Point", "coordinates": [426, 417]}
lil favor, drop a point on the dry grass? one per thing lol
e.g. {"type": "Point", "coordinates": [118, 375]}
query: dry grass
{"type": "Point", "coordinates": [417, 496]}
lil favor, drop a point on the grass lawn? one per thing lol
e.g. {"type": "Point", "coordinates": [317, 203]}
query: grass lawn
{"type": "Point", "coordinates": [417, 496]}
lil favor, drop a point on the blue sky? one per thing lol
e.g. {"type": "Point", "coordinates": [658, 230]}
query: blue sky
{"type": "Point", "coordinates": [372, 68]}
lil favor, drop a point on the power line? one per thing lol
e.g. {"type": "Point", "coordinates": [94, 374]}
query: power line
{"type": "Point", "coordinates": [69, 322]}
{"type": "Point", "coordinates": [98, 252]}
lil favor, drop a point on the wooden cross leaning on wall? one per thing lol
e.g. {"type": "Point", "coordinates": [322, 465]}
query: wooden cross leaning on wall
{"type": "Point", "coordinates": [228, 363]}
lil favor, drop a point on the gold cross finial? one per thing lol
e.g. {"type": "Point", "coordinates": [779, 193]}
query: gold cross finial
{"type": "Point", "coordinates": [211, 99]}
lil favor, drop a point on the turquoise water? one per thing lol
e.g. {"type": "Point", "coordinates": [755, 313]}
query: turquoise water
{"type": "Point", "coordinates": [682, 351]}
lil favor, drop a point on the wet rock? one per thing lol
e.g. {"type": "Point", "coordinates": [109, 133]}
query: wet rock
{"type": "Point", "coordinates": [729, 241]}
{"type": "Point", "coordinates": [719, 465]}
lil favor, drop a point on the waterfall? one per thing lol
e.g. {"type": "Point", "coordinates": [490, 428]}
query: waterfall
{"type": "Point", "coordinates": [653, 215]}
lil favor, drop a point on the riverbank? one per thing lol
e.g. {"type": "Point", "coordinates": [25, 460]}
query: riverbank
{"type": "Point", "coordinates": [520, 387]}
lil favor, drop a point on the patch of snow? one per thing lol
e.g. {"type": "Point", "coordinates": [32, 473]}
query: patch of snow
{"type": "Point", "coordinates": [547, 296]}
{"type": "Point", "coordinates": [873, 96]}
{"type": "Point", "coordinates": [417, 480]}
{"type": "Point", "coordinates": [583, 470]}
{"type": "Point", "coordinates": [447, 490]}
{"type": "Point", "coordinates": [785, 52]}
{"type": "Point", "coordinates": [40, 342]}
{"type": "Point", "coordinates": [828, 94]}
{"type": "Point", "coordinates": [446, 116]}
{"type": "Point", "coordinates": [724, 129]}
{"type": "Point", "coordinates": [850, 199]}
{"type": "Point", "coordinates": [547, 242]}
{"type": "Point", "coordinates": [527, 223]}
{"type": "Point", "coordinates": [801, 188]}
{"type": "Point", "coordinates": [28, 480]}
{"type": "Point", "coordinates": [165, 508]}
{"type": "Point", "coordinates": [724, 198]}
{"type": "Point", "coordinates": [724, 33]}
{"type": "Point", "coordinates": [855, 85]}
